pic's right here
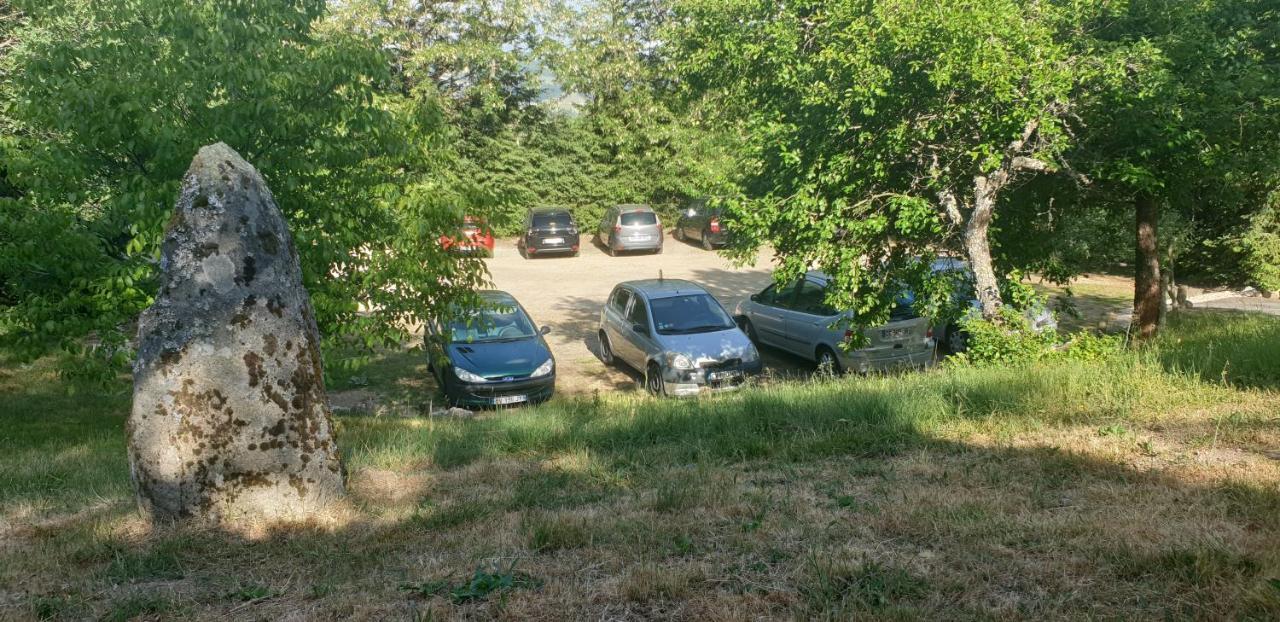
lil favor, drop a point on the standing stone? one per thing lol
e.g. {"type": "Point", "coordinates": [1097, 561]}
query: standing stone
{"type": "Point", "coordinates": [230, 418]}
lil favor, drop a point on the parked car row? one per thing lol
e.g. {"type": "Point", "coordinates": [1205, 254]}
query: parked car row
{"type": "Point", "coordinates": [630, 227]}
{"type": "Point", "coordinates": [678, 337]}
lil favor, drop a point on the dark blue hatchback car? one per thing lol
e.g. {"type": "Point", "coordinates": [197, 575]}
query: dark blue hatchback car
{"type": "Point", "coordinates": [491, 356]}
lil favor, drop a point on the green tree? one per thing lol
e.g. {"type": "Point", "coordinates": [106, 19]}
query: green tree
{"type": "Point", "coordinates": [107, 101]}
{"type": "Point", "coordinates": [881, 132]}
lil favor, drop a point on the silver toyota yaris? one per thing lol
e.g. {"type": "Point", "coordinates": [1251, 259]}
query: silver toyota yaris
{"type": "Point", "coordinates": [678, 335]}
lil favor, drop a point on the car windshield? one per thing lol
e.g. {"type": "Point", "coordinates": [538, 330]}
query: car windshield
{"type": "Point", "coordinates": [634, 219]}
{"type": "Point", "coordinates": [685, 315]}
{"type": "Point", "coordinates": [501, 321]}
{"type": "Point", "coordinates": [557, 219]}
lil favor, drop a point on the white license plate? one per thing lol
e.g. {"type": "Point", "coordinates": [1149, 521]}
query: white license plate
{"type": "Point", "coordinates": [553, 241]}
{"type": "Point", "coordinates": [717, 376]}
{"type": "Point", "coordinates": [502, 400]}
{"type": "Point", "coordinates": [639, 238]}
{"type": "Point", "coordinates": [897, 333]}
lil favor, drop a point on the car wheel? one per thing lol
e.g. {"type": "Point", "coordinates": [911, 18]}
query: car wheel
{"type": "Point", "coordinates": [957, 340]}
{"type": "Point", "coordinates": [750, 329]}
{"type": "Point", "coordinates": [658, 252]}
{"type": "Point", "coordinates": [613, 252]}
{"type": "Point", "coordinates": [828, 362]}
{"type": "Point", "coordinates": [606, 351]}
{"type": "Point", "coordinates": [524, 251]}
{"type": "Point", "coordinates": [653, 380]}
{"type": "Point", "coordinates": [678, 234]}
{"type": "Point", "coordinates": [706, 242]}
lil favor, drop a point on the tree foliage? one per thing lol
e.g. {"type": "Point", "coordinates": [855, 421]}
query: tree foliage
{"type": "Point", "coordinates": [107, 102]}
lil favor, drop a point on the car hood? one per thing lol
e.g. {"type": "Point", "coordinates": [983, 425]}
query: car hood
{"type": "Point", "coordinates": [710, 347]}
{"type": "Point", "coordinates": [500, 358]}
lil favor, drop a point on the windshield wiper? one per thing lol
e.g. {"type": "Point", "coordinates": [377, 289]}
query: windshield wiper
{"type": "Point", "coordinates": [698, 329]}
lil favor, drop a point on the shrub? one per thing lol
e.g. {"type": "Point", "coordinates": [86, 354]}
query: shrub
{"type": "Point", "coordinates": [1010, 341]}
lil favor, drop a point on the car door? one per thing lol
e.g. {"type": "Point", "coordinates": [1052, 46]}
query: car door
{"type": "Point", "coordinates": [639, 342]}
{"type": "Point", "coordinates": [689, 223]}
{"type": "Point", "coordinates": [767, 315]}
{"type": "Point", "coordinates": [615, 319]}
{"type": "Point", "coordinates": [606, 226]}
{"type": "Point", "coordinates": [809, 319]}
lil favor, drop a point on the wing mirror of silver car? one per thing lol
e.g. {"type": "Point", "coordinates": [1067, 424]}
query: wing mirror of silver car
{"type": "Point", "coordinates": [640, 329]}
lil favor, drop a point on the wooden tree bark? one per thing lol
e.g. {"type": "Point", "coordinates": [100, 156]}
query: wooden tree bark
{"type": "Point", "coordinates": [978, 246]}
{"type": "Point", "coordinates": [1146, 286]}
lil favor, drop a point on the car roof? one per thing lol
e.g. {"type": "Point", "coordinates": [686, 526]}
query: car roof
{"type": "Point", "coordinates": [551, 210]}
{"type": "Point", "coordinates": [496, 295]}
{"type": "Point", "coordinates": [634, 207]}
{"type": "Point", "coordinates": [664, 288]}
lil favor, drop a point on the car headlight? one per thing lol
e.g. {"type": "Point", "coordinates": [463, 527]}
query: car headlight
{"type": "Point", "coordinates": [544, 369]}
{"type": "Point", "coordinates": [751, 355]}
{"type": "Point", "coordinates": [467, 376]}
{"type": "Point", "coordinates": [679, 361]}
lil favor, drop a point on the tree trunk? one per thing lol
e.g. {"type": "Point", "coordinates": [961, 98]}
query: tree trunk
{"type": "Point", "coordinates": [978, 247]}
{"type": "Point", "coordinates": [1146, 285]}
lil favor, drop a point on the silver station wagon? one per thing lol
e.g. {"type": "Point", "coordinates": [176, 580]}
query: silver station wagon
{"type": "Point", "coordinates": [630, 227]}
{"type": "Point", "coordinates": [678, 335]}
{"type": "Point", "coordinates": [797, 319]}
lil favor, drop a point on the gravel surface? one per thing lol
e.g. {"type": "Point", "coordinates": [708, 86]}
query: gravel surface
{"type": "Point", "coordinates": [567, 293]}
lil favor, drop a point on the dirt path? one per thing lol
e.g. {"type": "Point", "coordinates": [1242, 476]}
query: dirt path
{"type": "Point", "coordinates": [567, 293]}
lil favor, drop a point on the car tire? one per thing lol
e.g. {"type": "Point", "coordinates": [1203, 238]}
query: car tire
{"type": "Point", "coordinates": [750, 329]}
{"type": "Point", "coordinates": [828, 362]}
{"type": "Point", "coordinates": [658, 252]}
{"type": "Point", "coordinates": [524, 250]}
{"type": "Point", "coordinates": [706, 242]}
{"type": "Point", "coordinates": [678, 234]}
{"type": "Point", "coordinates": [653, 382]}
{"type": "Point", "coordinates": [606, 350]}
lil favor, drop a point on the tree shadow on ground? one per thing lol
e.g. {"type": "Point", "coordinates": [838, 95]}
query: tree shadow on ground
{"type": "Point", "coordinates": [504, 484]}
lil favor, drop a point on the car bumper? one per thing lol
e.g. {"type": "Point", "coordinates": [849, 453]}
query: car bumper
{"type": "Point", "coordinates": [889, 360]}
{"type": "Point", "coordinates": [718, 239]}
{"type": "Point", "coordinates": [693, 382]}
{"type": "Point", "coordinates": [628, 245]}
{"type": "Point", "coordinates": [539, 246]}
{"type": "Point", "coordinates": [489, 394]}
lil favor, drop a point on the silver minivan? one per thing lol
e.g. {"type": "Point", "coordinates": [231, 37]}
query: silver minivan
{"type": "Point", "coordinates": [796, 318]}
{"type": "Point", "coordinates": [630, 227]}
{"type": "Point", "coordinates": [678, 335]}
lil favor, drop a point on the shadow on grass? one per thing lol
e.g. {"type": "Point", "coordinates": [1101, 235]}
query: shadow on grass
{"type": "Point", "coordinates": [634, 443]}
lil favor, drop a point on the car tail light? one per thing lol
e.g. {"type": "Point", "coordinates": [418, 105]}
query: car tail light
{"type": "Point", "coordinates": [848, 334]}
{"type": "Point", "coordinates": [617, 228]}
{"type": "Point", "coordinates": [715, 225]}
{"type": "Point", "coordinates": [928, 334]}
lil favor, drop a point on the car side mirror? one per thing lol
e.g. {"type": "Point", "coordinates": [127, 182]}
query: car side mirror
{"type": "Point", "coordinates": [640, 329]}
{"type": "Point", "coordinates": [545, 330]}
{"type": "Point", "coordinates": [755, 297]}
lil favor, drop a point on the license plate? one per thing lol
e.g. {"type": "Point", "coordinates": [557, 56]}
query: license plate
{"type": "Point", "coordinates": [639, 238]}
{"type": "Point", "coordinates": [717, 376]}
{"type": "Point", "coordinates": [896, 333]}
{"type": "Point", "coordinates": [553, 241]}
{"type": "Point", "coordinates": [509, 399]}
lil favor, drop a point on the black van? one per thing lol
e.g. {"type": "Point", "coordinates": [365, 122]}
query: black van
{"type": "Point", "coordinates": [549, 231]}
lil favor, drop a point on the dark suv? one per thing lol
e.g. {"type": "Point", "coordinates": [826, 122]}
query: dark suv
{"type": "Point", "coordinates": [701, 222]}
{"type": "Point", "coordinates": [548, 231]}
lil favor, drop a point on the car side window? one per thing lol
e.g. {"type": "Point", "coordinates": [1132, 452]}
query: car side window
{"type": "Point", "coordinates": [620, 299]}
{"type": "Point", "coordinates": [639, 314]}
{"type": "Point", "coordinates": [784, 296]}
{"type": "Point", "coordinates": [811, 298]}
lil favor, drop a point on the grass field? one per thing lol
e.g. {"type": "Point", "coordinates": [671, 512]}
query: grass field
{"type": "Point", "coordinates": [1143, 486]}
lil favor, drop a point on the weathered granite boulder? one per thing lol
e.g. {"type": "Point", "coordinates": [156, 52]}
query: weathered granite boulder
{"type": "Point", "coordinates": [230, 419]}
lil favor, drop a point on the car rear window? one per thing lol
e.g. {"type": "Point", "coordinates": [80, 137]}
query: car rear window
{"type": "Point", "coordinates": [636, 219]}
{"type": "Point", "coordinates": [558, 219]}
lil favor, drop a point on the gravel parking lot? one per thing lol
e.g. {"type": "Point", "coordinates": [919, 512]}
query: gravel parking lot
{"type": "Point", "coordinates": [567, 293]}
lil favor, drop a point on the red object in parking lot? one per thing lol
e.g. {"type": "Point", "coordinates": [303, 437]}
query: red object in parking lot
{"type": "Point", "coordinates": [475, 237]}
{"type": "Point", "coordinates": [715, 225]}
